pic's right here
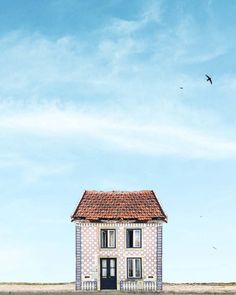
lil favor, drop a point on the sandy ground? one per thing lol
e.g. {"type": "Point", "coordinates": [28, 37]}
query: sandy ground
{"type": "Point", "coordinates": [200, 288]}
{"type": "Point", "coordinates": [229, 288]}
{"type": "Point", "coordinates": [14, 287]}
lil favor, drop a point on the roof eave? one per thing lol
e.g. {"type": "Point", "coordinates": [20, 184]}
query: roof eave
{"type": "Point", "coordinates": [74, 219]}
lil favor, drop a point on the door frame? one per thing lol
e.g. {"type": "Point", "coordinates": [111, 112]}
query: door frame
{"type": "Point", "coordinates": [100, 272]}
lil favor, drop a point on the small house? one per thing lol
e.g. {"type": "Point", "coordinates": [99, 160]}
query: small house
{"type": "Point", "coordinates": [119, 241]}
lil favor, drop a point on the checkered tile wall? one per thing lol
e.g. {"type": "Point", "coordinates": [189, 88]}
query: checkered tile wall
{"type": "Point", "coordinates": [92, 252]}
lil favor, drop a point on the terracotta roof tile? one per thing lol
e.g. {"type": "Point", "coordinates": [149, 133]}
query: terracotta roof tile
{"type": "Point", "coordinates": [138, 205]}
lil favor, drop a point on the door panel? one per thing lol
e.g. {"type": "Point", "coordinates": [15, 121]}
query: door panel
{"type": "Point", "coordinates": [108, 273]}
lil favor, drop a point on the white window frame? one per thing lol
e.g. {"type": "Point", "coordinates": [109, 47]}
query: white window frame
{"type": "Point", "coordinates": [135, 245]}
{"type": "Point", "coordinates": [135, 271]}
{"type": "Point", "coordinates": [109, 245]}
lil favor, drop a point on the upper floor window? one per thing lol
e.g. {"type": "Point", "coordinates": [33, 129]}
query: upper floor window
{"type": "Point", "coordinates": [133, 238]}
{"type": "Point", "coordinates": [108, 238]}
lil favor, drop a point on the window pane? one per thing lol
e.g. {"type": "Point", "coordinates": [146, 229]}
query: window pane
{"type": "Point", "coordinates": [104, 263]}
{"type": "Point", "coordinates": [112, 262]}
{"type": "Point", "coordinates": [138, 268]}
{"type": "Point", "coordinates": [137, 238]}
{"type": "Point", "coordinates": [129, 238]}
{"type": "Point", "coordinates": [112, 272]}
{"type": "Point", "coordinates": [130, 268]}
{"type": "Point", "coordinates": [111, 238]}
{"type": "Point", "coordinates": [104, 239]}
{"type": "Point", "coordinates": [104, 272]}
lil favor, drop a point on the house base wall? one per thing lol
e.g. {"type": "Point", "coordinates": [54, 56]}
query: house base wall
{"type": "Point", "coordinates": [89, 253]}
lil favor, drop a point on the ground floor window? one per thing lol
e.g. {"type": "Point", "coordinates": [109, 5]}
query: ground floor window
{"type": "Point", "coordinates": [134, 266]}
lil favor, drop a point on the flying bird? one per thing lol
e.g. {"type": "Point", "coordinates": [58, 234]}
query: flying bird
{"type": "Point", "coordinates": [214, 248]}
{"type": "Point", "coordinates": [209, 79]}
{"type": "Point", "coordinates": [181, 87]}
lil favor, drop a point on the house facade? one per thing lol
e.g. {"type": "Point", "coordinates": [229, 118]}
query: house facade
{"type": "Point", "coordinates": [119, 241]}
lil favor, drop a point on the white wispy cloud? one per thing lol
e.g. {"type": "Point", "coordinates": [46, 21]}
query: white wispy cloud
{"type": "Point", "coordinates": [32, 169]}
{"type": "Point", "coordinates": [121, 93]}
{"type": "Point", "coordinates": [152, 13]}
{"type": "Point", "coordinates": [118, 132]}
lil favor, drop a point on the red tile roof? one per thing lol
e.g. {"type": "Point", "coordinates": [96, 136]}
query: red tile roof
{"type": "Point", "coordinates": [138, 205]}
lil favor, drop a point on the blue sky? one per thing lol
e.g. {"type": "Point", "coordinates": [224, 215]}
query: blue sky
{"type": "Point", "coordinates": [90, 98]}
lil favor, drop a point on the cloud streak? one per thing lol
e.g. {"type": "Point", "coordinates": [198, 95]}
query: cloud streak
{"type": "Point", "coordinates": [122, 94]}
{"type": "Point", "coordinates": [118, 132]}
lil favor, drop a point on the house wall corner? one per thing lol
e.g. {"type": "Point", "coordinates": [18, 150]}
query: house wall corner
{"type": "Point", "coordinates": [78, 258]}
{"type": "Point", "coordinates": [159, 258]}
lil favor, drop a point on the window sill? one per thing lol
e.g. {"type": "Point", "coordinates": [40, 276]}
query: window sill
{"type": "Point", "coordinates": [110, 248]}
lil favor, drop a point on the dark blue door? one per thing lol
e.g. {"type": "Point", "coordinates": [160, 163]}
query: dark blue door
{"type": "Point", "coordinates": [108, 273]}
